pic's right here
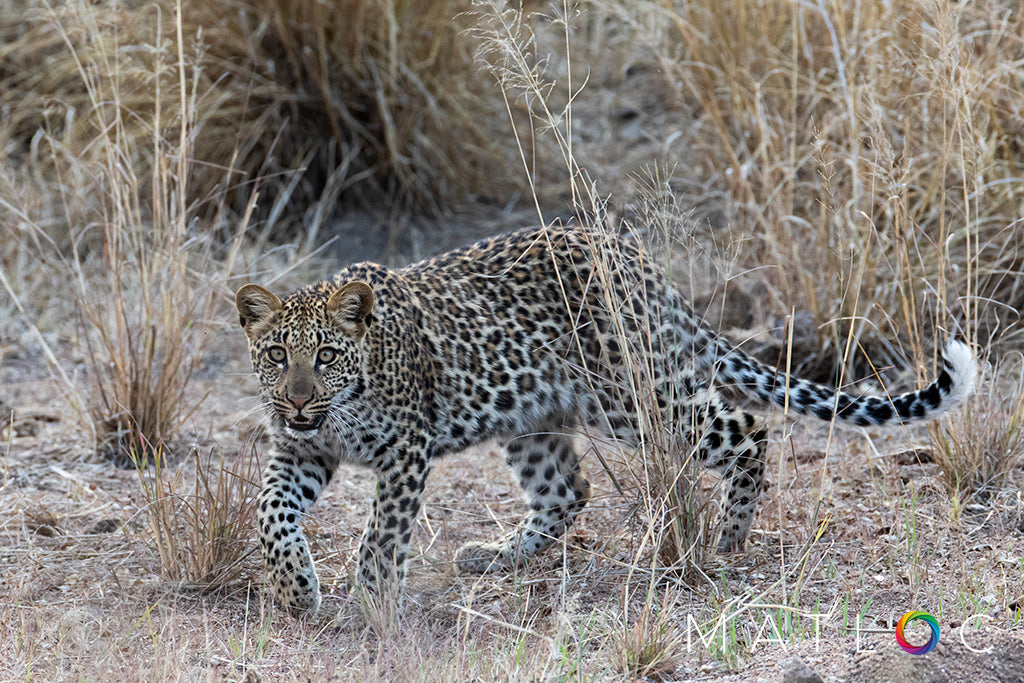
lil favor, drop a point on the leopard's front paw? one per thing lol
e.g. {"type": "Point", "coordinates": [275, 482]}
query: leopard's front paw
{"type": "Point", "coordinates": [482, 558]}
{"type": "Point", "coordinates": [308, 605]}
{"type": "Point", "coordinates": [299, 593]}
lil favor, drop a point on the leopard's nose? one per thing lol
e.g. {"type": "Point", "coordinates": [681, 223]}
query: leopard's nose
{"type": "Point", "coordinates": [299, 400]}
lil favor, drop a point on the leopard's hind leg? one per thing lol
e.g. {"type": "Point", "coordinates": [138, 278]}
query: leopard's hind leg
{"type": "Point", "coordinates": [721, 437]}
{"type": "Point", "coordinates": [548, 470]}
{"type": "Point", "coordinates": [734, 443]}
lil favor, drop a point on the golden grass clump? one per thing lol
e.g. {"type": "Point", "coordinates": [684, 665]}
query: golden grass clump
{"type": "Point", "coordinates": [981, 450]}
{"type": "Point", "coordinates": [201, 524]}
{"type": "Point", "coordinates": [106, 213]}
{"type": "Point", "coordinates": [648, 649]}
{"type": "Point", "coordinates": [673, 513]}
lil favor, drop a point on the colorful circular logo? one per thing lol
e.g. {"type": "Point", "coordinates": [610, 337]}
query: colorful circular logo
{"type": "Point", "coordinates": [914, 616]}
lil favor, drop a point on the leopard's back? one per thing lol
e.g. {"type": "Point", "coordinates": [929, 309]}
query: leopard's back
{"type": "Point", "coordinates": [522, 326]}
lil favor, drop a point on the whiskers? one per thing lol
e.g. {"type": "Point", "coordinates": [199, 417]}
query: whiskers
{"type": "Point", "coordinates": [344, 420]}
{"type": "Point", "coordinates": [259, 407]}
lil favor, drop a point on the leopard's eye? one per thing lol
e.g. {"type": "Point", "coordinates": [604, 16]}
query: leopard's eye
{"type": "Point", "coordinates": [277, 354]}
{"type": "Point", "coordinates": [326, 355]}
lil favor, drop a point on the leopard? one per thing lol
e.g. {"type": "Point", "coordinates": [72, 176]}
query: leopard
{"type": "Point", "coordinates": [524, 338]}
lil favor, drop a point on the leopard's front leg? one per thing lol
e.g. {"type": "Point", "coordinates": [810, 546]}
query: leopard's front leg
{"type": "Point", "coordinates": [385, 544]}
{"type": "Point", "coordinates": [290, 486]}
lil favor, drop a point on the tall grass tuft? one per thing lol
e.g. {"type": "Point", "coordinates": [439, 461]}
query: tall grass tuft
{"type": "Point", "coordinates": [867, 152]}
{"type": "Point", "coordinates": [649, 647]}
{"type": "Point", "coordinates": [201, 524]}
{"type": "Point", "coordinates": [114, 220]}
{"type": "Point", "coordinates": [981, 449]}
{"type": "Point", "coordinates": [674, 508]}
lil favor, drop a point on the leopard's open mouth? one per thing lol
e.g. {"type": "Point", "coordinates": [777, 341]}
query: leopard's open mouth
{"type": "Point", "coordinates": [304, 423]}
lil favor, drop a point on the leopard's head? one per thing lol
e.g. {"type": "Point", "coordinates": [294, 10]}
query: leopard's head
{"type": "Point", "coordinates": [307, 349]}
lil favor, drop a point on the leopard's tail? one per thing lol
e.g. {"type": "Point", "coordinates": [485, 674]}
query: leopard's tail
{"type": "Point", "coordinates": [764, 383]}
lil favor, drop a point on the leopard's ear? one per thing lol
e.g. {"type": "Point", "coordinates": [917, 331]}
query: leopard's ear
{"type": "Point", "coordinates": [256, 309]}
{"type": "Point", "coordinates": [351, 308]}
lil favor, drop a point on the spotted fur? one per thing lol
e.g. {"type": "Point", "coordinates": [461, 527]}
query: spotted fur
{"type": "Point", "coordinates": [518, 338]}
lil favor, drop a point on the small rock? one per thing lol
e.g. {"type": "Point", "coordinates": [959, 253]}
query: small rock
{"type": "Point", "coordinates": [105, 526]}
{"type": "Point", "coordinates": [26, 428]}
{"type": "Point", "coordinates": [794, 670]}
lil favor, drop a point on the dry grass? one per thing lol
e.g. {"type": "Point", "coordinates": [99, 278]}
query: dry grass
{"type": "Point", "coordinates": [673, 514]}
{"type": "Point", "coordinates": [203, 532]}
{"type": "Point", "coordinates": [867, 153]}
{"type": "Point", "coordinates": [123, 232]}
{"type": "Point", "coordinates": [981, 450]}
{"type": "Point", "coordinates": [649, 647]}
